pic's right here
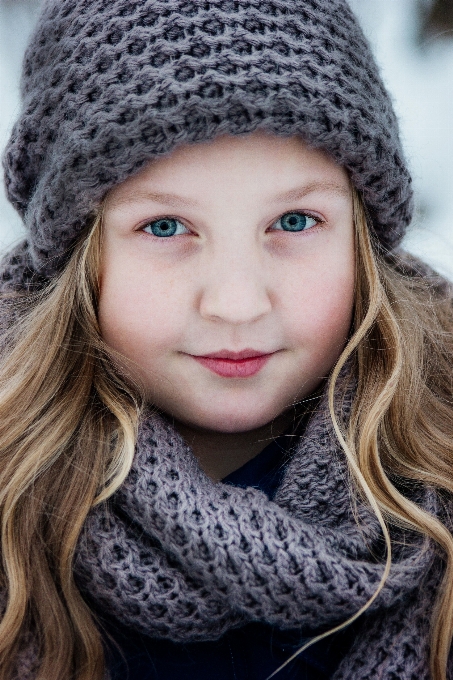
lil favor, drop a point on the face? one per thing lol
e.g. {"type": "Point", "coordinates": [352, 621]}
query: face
{"type": "Point", "coordinates": [227, 278]}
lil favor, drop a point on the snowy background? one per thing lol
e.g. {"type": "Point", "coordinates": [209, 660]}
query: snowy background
{"type": "Point", "coordinates": [413, 43]}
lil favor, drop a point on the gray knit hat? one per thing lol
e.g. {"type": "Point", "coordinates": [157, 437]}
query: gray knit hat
{"type": "Point", "coordinates": [110, 84]}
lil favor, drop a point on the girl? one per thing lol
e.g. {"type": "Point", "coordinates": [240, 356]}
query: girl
{"type": "Point", "coordinates": [226, 397]}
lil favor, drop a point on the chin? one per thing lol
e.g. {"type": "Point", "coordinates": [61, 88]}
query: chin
{"type": "Point", "coordinates": [231, 422]}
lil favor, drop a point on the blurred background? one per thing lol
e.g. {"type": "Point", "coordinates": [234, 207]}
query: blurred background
{"type": "Point", "coordinates": [413, 43]}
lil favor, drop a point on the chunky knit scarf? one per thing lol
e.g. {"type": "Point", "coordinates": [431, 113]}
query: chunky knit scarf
{"type": "Point", "coordinates": [177, 556]}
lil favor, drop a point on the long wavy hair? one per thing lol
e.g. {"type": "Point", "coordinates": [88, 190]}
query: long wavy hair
{"type": "Point", "coordinates": [68, 424]}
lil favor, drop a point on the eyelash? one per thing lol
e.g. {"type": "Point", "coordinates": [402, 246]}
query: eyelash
{"type": "Point", "coordinates": [164, 219]}
{"type": "Point", "coordinates": [300, 213]}
{"type": "Point", "coordinates": [317, 220]}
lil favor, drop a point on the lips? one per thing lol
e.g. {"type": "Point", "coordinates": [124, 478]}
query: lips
{"type": "Point", "coordinates": [228, 364]}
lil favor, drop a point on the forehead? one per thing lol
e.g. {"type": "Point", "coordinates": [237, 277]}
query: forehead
{"type": "Point", "coordinates": [260, 162]}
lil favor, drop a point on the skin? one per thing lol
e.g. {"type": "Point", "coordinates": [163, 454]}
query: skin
{"type": "Point", "coordinates": [231, 279]}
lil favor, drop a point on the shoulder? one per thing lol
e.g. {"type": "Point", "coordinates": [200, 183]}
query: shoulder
{"type": "Point", "coordinates": [417, 271]}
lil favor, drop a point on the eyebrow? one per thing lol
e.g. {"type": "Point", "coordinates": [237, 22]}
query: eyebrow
{"type": "Point", "coordinates": [172, 200]}
{"type": "Point", "coordinates": [176, 201]}
{"type": "Point", "coordinates": [301, 192]}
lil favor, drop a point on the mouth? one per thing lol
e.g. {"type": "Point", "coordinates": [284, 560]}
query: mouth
{"type": "Point", "coordinates": [228, 364]}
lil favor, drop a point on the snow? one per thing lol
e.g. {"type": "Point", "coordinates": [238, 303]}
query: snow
{"type": "Point", "coordinates": [16, 21]}
{"type": "Point", "coordinates": [419, 77]}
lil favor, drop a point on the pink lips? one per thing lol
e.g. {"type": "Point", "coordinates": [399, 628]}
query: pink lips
{"type": "Point", "coordinates": [234, 364]}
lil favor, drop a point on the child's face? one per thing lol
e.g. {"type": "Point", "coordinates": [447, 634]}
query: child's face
{"type": "Point", "coordinates": [244, 243]}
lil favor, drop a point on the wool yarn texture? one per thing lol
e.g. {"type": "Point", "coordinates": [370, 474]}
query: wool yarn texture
{"type": "Point", "coordinates": [109, 85]}
{"type": "Point", "coordinates": [174, 555]}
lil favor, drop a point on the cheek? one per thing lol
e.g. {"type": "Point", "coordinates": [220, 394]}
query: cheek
{"type": "Point", "coordinates": [321, 315]}
{"type": "Point", "coordinates": [139, 314]}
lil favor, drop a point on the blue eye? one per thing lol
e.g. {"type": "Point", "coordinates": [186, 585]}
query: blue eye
{"type": "Point", "coordinates": [295, 222]}
{"type": "Point", "coordinates": [167, 226]}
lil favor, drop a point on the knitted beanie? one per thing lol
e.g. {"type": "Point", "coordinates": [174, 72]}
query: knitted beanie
{"type": "Point", "coordinates": [109, 85]}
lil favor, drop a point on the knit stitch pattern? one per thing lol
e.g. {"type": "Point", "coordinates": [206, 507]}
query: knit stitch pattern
{"type": "Point", "coordinates": [174, 555]}
{"type": "Point", "coordinates": [109, 85]}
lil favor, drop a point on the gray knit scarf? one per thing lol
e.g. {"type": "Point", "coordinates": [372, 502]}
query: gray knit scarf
{"type": "Point", "coordinates": [175, 555]}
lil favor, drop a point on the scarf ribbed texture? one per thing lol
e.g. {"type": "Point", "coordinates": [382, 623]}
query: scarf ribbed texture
{"type": "Point", "coordinates": [174, 555]}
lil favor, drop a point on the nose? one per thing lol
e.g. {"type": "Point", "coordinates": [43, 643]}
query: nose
{"type": "Point", "coordinates": [235, 290]}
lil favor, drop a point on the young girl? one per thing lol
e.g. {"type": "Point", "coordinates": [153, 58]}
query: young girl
{"type": "Point", "coordinates": [226, 424]}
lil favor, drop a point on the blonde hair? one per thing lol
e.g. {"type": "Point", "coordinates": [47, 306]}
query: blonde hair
{"type": "Point", "coordinates": [68, 426]}
{"type": "Point", "coordinates": [68, 423]}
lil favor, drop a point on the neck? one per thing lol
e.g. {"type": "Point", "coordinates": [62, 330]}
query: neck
{"type": "Point", "coordinates": [220, 453]}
